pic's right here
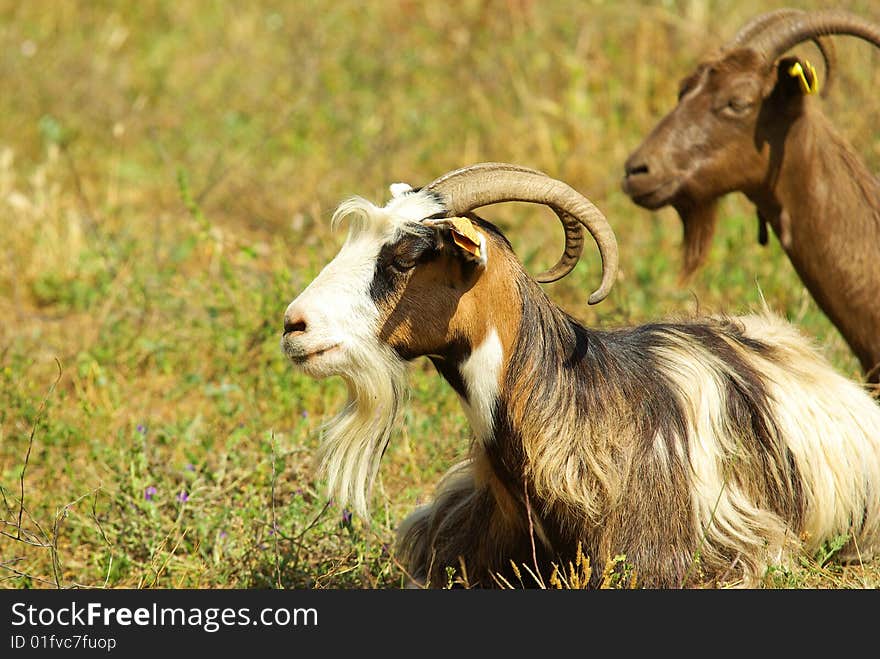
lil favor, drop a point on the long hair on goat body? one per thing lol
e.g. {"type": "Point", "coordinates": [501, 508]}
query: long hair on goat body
{"type": "Point", "coordinates": [727, 438]}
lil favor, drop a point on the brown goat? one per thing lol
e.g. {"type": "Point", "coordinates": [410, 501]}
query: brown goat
{"type": "Point", "coordinates": [746, 122]}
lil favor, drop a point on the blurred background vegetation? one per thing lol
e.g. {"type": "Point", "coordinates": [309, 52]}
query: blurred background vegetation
{"type": "Point", "coordinates": [167, 173]}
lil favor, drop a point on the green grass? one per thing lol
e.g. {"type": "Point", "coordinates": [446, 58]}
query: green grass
{"type": "Point", "coordinates": [167, 174]}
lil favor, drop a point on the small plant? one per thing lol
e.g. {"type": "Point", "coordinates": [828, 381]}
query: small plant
{"type": "Point", "coordinates": [830, 548]}
{"type": "Point", "coordinates": [577, 575]}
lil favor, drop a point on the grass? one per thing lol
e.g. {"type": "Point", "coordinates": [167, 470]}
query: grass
{"type": "Point", "coordinates": [167, 174]}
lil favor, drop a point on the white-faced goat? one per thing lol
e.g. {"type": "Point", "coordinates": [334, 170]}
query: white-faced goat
{"type": "Point", "coordinates": [727, 439]}
{"type": "Point", "coordinates": [747, 121]}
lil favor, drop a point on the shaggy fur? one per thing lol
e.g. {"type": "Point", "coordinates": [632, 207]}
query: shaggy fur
{"type": "Point", "coordinates": [701, 449]}
{"type": "Point", "coordinates": [714, 437]}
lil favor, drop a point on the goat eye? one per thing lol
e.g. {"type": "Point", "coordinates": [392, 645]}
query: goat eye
{"type": "Point", "coordinates": [738, 105]}
{"type": "Point", "coordinates": [402, 264]}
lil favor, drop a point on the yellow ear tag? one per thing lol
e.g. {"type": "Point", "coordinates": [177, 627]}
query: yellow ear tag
{"type": "Point", "coordinates": [797, 71]}
{"type": "Point", "coordinates": [466, 236]}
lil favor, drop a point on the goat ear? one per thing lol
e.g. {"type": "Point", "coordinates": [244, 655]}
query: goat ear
{"type": "Point", "coordinates": [470, 242]}
{"type": "Point", "coordinates": [797, 76]}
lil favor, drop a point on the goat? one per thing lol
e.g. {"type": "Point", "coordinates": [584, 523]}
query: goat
{"type": "Point", "coordinates": [746, 121]}
{"type": "Point", "coordinates": [730, 438]}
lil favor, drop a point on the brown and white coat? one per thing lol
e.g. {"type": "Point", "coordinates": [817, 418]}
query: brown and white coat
{"type": "Point", "coordinates": [727, 439]}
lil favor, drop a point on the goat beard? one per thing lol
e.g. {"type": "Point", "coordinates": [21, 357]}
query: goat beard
{"type": "Point", "coordinates": [699, 226]}
{"type": "Point", "coordinates": [355, 440]}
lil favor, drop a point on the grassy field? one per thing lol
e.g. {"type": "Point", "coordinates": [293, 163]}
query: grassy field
{"type": "Point", "coordinates": [167, 175]}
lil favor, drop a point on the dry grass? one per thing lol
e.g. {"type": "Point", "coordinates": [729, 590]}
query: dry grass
{"type": "Point", "coordinates": [167, 171]}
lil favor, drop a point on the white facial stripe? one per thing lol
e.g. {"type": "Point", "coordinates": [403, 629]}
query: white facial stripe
{"type": "Point", "coordinates": [337, 305]}
{"type": "Point", "coordinates": [339, 324]}
{"type": "Point", "coordinates": [481, 372]}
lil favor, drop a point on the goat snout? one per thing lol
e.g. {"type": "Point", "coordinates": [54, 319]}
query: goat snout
{"type": "Point", "coordinates": [294, 322]}
{"type": "Point", "coordinates": [636, 173]}
{"type": "Point", "coordinates": [636, 165]}
{"type": "Point", "coordinates": [649, 182]}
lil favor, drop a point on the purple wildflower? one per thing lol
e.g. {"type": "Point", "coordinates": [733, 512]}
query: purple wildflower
{"type": "Point", "coordinates": [223, 535]}
{"type": "Point", "coordinates": [346, 516]}
{"type": "Point", "coordinates": [190, 467]}
{"type": "Point", "coordinates": [183, 497]}
{"type": "Point", "coordinates": [141, 428]}
{"type": "Point", "coordinates": [305, 415]}
{"type": "Point", "coordinates": [149, 492]}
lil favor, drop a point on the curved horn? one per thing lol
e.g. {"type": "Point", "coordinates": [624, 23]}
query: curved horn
{"type": "Point", "coordinates": [758, 24]}
{"type": "Point", "coordinates": [468, 188]}
{"type": "Point", "coordinates": [574, 234]}
{"type": "Point", "coordinates": [763, 22]}
{"type": "Point", "coordinates": [773, 43]}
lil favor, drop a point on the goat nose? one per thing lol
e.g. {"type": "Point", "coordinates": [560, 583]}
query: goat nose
{"type": "Point", "coordinates": [294, 321]}
{"type": "Point", "coordinates": [636, 166]}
